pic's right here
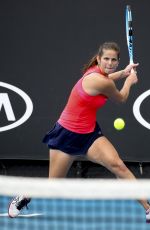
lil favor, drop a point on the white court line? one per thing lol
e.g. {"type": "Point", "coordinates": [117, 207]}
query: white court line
{"type": "Point", "coordinates": [24, 215]}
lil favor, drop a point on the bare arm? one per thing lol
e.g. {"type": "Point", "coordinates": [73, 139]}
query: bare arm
{"type": "Point", "coordinates": [116, 95]}
{"type": "Point", "coordinates": [117, 75]}
{"type": "Point", "coordinates": [122, 73]}
{"type": "Point", "coordinates": [101, 85]}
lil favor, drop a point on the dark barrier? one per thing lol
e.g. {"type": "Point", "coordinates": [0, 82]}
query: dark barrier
{"type": "Point", "coordinates": [44, 45]}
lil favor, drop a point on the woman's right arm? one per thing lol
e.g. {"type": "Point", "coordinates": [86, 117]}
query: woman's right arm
{"type": "Point", "coordinates": [130, 80]}
{"type": "Point", "coordinates": [116, 95]}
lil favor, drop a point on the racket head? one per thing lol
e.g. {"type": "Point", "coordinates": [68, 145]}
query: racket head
{"type": "Point", "coordinates": [129, 32]}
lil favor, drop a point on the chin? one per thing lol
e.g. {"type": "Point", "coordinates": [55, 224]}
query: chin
{"type": "Point", "coordinates": [111, 71]}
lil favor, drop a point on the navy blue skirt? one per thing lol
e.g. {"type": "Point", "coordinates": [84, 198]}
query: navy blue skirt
{"type": "Point", "coordinates": [71, 142]}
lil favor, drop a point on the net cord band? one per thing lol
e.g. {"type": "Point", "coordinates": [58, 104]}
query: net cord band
{"type": "Point", "coordinates": [75, 188]}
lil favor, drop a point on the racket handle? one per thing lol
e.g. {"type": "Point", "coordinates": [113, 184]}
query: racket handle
{"type": "Point", "coordinates": [132, 70]}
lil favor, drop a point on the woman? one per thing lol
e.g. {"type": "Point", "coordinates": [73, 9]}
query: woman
{"type": "Point", "coordinates": [77, 132]}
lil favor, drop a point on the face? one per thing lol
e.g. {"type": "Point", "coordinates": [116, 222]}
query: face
{"type": "Point", "coordinates": [108, 62]}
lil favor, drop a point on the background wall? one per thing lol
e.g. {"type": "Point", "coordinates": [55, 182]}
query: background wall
{"type": "Point", "coordinates": [43, 46]}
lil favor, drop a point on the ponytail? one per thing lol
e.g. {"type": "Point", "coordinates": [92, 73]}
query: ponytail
{"type": "Point", "coordinates": [91, 63]}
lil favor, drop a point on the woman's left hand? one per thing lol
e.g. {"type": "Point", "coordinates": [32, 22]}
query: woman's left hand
{"type": "Point", "coordinates": [128, 69]}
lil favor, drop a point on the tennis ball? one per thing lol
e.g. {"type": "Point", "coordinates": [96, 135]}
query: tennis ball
{"type": "Point", "coordinates": [119, 124]}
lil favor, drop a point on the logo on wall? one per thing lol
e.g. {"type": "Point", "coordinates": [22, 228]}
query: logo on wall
{"type": "Point", "coordinates": [21, 102]}
{"type": "Point", "coordinates": [136, 109]}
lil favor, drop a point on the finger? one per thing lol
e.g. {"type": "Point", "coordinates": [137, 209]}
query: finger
{"type": "Point", "coordinates": [136, 64]}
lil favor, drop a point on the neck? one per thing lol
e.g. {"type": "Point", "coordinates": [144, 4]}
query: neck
{"type": "Point", "coordinates": [101, 71]}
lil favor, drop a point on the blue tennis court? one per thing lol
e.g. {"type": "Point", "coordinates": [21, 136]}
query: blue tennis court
{"type": "Point", "coordinates": [75, 214]}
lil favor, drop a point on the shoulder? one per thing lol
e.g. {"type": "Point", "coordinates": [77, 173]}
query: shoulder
{"type": "Point", "coordinates": [97, 83]}
{"type": "Point", "coordinates": [98, 79]}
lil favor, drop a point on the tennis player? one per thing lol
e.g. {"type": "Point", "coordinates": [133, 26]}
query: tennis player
{"type": "Point", "coordinates": [77, 133]}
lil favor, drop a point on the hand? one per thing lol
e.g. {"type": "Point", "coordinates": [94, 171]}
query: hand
{"type": "Point", "coordinates": [129, 69]}
{"type": "Point", "coordinates": [132, 78]}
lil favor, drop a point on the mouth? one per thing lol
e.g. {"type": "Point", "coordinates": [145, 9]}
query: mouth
{"type": "Point", "coordinates": [110, 69]}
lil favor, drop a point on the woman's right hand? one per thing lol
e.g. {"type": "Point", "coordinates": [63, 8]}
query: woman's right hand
{"type": "Point", "coordinates": [132, 78]}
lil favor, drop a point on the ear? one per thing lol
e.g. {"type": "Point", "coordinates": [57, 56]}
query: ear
{"type": "Point", "coordinates": [118, 61]}
{"type": "Point", "coordinates": [98, 59]}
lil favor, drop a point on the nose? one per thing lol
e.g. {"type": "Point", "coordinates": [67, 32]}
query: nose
{"type": "Point", "coordinates": [110, 62]}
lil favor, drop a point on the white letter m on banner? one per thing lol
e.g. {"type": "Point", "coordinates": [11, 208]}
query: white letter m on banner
{"type": "Point", "coordinates": [4, 101]}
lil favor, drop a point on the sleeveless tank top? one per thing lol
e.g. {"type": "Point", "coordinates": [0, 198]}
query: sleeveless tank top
{"type": "Point", "coordinates": [79, 114]}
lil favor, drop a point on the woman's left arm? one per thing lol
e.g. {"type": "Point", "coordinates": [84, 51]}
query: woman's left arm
{"type": "Point", "coordinates": [116, 75]}
{"type": "Point", "coordinates": [122, 73]}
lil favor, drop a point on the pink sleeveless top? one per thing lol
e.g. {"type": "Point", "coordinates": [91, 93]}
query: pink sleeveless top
{"type": "Point", "coordinates": [79, 114]}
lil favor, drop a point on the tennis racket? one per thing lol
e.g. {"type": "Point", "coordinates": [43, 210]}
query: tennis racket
{"type": "Point", "coordinates": [129, 33]}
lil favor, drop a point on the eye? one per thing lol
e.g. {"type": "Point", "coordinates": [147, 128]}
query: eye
{"type": "Point", "coordinates": [106, 58]}
{"type": "Point", "coordinates": [114, 60]}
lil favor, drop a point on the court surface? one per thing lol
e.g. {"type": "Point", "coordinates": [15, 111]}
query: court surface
{"type": "Point", "coordinates": [69, 214]}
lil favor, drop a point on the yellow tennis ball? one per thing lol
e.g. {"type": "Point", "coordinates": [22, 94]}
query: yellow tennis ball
{"type": "Point", "coordinates": [119, 124]}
